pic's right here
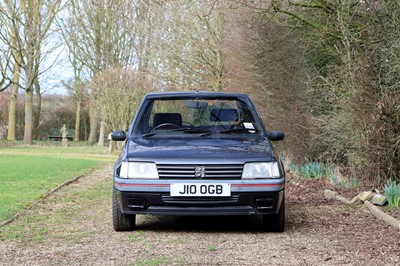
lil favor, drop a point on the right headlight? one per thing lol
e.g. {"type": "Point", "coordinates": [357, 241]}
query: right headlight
{"type": "Point", "coordinates": [261, 170]}
{"type": "Point", "coordinates": [139, 170]}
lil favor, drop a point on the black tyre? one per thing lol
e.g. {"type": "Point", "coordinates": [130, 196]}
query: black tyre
{"type": "Point", "coordinates": [275, 222]}
{"type": "Point", "coordinates": [121, 222]}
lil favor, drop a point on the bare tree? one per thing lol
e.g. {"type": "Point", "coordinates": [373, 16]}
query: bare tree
{"type": "Point", "coordinates": [102, 34]}
{"type": "Point", "coordinates": [68, 29]}
{"type": "Point", "coordinates": [78, 90]}
{"type": "Point", "coordinates": [11, 24]}
{"type": "Point", "coordinates": [39, 16]}
{"type": "Point", "coordinates": [5, 61]}
{"type": "Point", "coordinates": [184, 43]}
{"type": "Point", "coordinates": [118, 93]}
{"type": "Point", "coordinates": [28, 24]}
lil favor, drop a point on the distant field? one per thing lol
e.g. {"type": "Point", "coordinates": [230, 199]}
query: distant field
{"type": "Point", "coordinates": [28, 173]}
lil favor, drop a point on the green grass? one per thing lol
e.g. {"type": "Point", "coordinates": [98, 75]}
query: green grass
{"type": "Point", "coordinates": [27, 173]}
{"type": "Point", "coordinates": [26, 178]}
{"type": "Point", "coordinates": [88, 152]}
{"type": "Point", "coordinates": [58, 224]}
{"type": "Point", "coordinates": [161, 260]}
{"type": "Point", "coordinates": [211, 248]}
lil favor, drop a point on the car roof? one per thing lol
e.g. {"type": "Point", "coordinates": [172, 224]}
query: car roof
{"type": "Point", "coordinates": [200, 94]}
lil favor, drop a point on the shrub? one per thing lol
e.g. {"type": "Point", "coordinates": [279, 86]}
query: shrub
{"type": "Point", "coordinates": [315, 170]}
{"type": "Point", "coordinates": [392, 192]}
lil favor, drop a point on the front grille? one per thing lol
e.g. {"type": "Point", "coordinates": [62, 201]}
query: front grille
{"type": "Point", "coordinates": [212, 171]}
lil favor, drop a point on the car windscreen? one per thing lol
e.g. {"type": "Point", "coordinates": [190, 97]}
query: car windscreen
{"type": "Point", "coordinates": [189, 118]}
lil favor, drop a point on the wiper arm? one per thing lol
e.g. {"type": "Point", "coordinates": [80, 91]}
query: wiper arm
{"type": "Point", "coordinates": [228, 131]}
{"type": "Point", "coordinates": [233, 130]}
{"type": "Point", "coordinates": [207, 133]}
{"type": "Point", "coordinates": [184, 129]}
{"type": "Point", "coordinates": [146, 135]}
{"type": "Point", "coordinates": [152, 133]}
{"type": "Point", "coordinates": [195, 131]}
{"type": "Point", "coordinates": [201, 132]}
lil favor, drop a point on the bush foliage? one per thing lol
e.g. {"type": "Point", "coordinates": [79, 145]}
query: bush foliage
{"type": "Point", "coordinates": [352, 56]}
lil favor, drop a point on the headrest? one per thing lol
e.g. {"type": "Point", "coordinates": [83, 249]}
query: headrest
{"type": "Point", "coordinates": [161, 118]}
{"type": "Point", "coordinates": [223, 115]}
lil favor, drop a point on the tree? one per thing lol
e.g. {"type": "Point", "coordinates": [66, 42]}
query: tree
{"type": "Point", "coordinates": [184, 44]}
{"type": "Point", "coordinates": [118, 93]}
{"type": "Point", "coordinates": [5, 61]}
{"type": "Point", "coordinates": [38, 18]}
{"type": "Point", "coordinates": [103, 40]}
{"type": "Point", "coordinates": [11, 24]}
{"type": "Point", "coordinates": [68, 29]}
{"type": "Point", "coordinates": [77, 90]}
{"type": "Point", "coordinates": [28, 24]}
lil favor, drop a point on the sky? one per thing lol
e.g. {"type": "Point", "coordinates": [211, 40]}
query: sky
{"type": "Point", "coordinates": [56, 67]}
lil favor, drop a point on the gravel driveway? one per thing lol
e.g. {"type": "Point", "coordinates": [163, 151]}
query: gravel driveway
{"type": "Point", "coordinates": [73, 227]}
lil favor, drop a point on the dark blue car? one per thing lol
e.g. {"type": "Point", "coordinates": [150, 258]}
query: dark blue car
{"type": "Point", "coordinates": [198, 153]}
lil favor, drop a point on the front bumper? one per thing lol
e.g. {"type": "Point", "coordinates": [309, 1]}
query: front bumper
{"type": "Point", "coordinates": [253, 197]}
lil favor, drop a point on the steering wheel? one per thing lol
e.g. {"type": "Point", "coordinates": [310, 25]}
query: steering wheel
{"type": "Point", "coordinates": [165, 125]}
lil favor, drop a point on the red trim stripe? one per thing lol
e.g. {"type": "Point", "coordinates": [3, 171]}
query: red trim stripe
{"type": "Point", "coordinates": [141, 185]}
{"type": "Point", "coordinates": [167, 185]}
{"type": "Point", "coordinates": [256, 185]}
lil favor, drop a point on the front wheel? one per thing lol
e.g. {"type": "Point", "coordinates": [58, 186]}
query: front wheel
{"type": "Point", "coordinates": [275, 222]}
{"type": "Point", "coordinates": [121, 222]}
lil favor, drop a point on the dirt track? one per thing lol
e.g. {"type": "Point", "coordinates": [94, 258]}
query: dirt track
{"type": "Point", "coordinates": [73, 227]}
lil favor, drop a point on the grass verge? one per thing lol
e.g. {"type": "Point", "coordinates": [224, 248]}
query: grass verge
{"type": "Point", "coordinates": [24, 179]}
{"type": "Point", "coordinates": [27, 174]}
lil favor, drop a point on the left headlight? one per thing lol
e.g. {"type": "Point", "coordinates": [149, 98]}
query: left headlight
{"type": "Point", "coordinates": [139, 170]}
{"type": "Point", "coordinates": [261, 170]}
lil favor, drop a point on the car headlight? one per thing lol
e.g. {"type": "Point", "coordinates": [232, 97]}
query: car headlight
{"type": "Point", "coordinates": [261, 170]}
{"type": "Point", "coordinates": [138, 170]}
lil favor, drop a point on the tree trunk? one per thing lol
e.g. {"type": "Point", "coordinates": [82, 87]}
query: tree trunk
{"type": "Point", "coordinates": [93, 123]}
{"type": "Point", "coordinates": [101, 135]}
{"type": "Point", "coordinates": [28, 130]}
{"type": "Point", "coordinates": [28, 116]}
{"type": "Point", "coordinates": [37, 109]}
{"type": "Point", "coordinates": [31, 47]}
{"type": "Point", "coordinates": [77, 120]}
{"type": "Point", "coordinates": [12, 113]}
{"type": "Point", "coordinates": [12, 107]}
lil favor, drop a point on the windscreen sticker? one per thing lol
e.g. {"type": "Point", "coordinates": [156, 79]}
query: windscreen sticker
{"type": "Point", "coordinates": [248, 125]}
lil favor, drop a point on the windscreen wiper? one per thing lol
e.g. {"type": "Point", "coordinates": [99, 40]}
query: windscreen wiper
{"type": "Point", "coordinates": [234, 130]}
{"type": "Point", "coordinates": [228, 131]}
{"type": "Point", "coordinates": [207, 133]}
{"type": "Point", "coordinates": [146, 135]}
{"type": "Point", "coordinates": [184, 129]}
{"type": "Point", "coordinates": [196, 131]}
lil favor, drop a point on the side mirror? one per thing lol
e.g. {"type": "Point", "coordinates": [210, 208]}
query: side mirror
{"type": "Point", "coordinates": [276, 135]}
{"type": "Point", "coordinates": [118, 135]}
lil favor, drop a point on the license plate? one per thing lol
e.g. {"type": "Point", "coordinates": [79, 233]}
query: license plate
{"type": "Point", "coordinates": [200, 190]}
